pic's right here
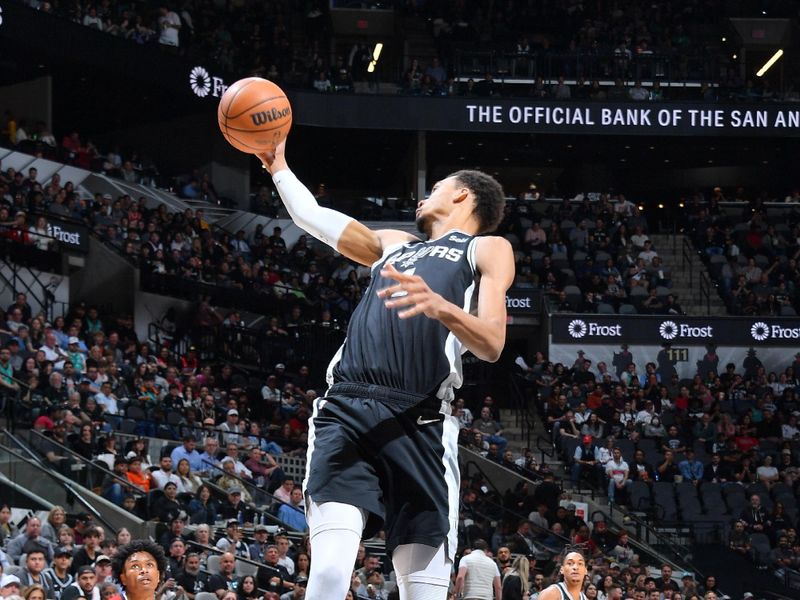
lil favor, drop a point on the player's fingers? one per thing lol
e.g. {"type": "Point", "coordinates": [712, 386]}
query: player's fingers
{"type": "Point", "coordinates": [401, 301]}
{"type": "Point", "coordinates": [392, 289]}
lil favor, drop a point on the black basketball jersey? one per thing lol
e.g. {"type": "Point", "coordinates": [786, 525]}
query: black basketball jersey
{"type": "Point", "coordinates": [419, 354]}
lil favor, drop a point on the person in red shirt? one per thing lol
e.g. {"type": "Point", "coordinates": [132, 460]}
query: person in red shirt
{"type": "Point", "coordinates": [744, 441]}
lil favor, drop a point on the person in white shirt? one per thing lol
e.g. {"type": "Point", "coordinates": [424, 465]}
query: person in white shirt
{"type": "Point", "coordinates": [164, 475]}
{"type": "Point", "coordinates": [107, 399]}
{"type": "Point", "coordinates": [170, 24]}
{"type": "Point", "coordinates": [465, 417]}
{"type": "Point", "coordinates": [52, 351]}
{"type": "Point", "coordinates": [478, 576]}
{"type": "Point", "coordinates": [617, 471]}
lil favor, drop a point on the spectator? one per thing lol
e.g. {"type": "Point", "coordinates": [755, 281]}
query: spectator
{"type": "Point", "coordinates": [478, 577]}
{"type": "Point", "coordinates": [293, 514]}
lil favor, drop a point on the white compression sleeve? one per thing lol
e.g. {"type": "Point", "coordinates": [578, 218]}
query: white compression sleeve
{"type": "Point", "coordinates": [423, 572]}
{"type": "Point", "coordinates": [323, 223]}
{"type": "Point", "coordinates": [335, 531]}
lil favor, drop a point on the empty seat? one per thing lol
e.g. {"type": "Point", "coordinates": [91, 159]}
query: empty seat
{"type": "Point", "coordinates": [640, 496]}
{"type": "Point", "coordinates": [627, 309]}
{"type": "Point", "coordinates": [761, 548]}
{"type": "Point", "coordinates": [605, 309]}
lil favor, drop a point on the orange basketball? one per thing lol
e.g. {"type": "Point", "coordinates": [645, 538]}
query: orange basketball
{"type": "Point", "coordinates": [254, 115]}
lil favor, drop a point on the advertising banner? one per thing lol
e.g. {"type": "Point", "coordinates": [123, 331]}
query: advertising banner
{"type": "Point", "coordinates": [682, 345]}
{"type": "Point", "coordinates": [524, 115]}
{"type": "Point", "coordinates": [523, 301]}
{"type": "Point", "coordinates": [70, 236]}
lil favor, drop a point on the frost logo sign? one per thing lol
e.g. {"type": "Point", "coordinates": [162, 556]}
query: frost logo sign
{"type": "Point", "coordinates": [204, 84]}
{"type": "Point", "coordinates": [669, 330]}
{"type": "Point", "coordinates": [577, 328]}
{"type": "Point", "coordinates": [760, 331]}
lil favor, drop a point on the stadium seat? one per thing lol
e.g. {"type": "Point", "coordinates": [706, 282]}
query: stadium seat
{"type": "Point", "coordinates": [761, 548]}
{"type": "Point", "coordinates": [212, 565]}
{"type": "Point", "coordinates": [627, 309]}
{"type": "Point", "coordinates": [640, 497]}
{"type": "Point", "coordinates": [605, 309]}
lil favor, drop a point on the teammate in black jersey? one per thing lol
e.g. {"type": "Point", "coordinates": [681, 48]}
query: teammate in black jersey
{"type": "Point", "coordinates": [573, 570]}
{"type": "Point", "coordinates": [382, 443]}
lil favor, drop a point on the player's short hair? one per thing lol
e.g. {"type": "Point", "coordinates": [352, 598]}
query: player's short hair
{"type": "Point", "coordinates": [125, 551]}
{"type": "Point", "coordinates": [490, 200]}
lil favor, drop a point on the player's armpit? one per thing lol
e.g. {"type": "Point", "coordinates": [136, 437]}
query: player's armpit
{"type": "Point", "coordinates": [364, 245]}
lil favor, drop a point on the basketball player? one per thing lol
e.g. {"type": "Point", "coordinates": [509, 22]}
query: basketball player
{"type": "Point", "coordinates": [139, 566]}
{"type": "Point", "coordinates": [382, 449]}
{"type": "Point", "coordinates": [573, 570]}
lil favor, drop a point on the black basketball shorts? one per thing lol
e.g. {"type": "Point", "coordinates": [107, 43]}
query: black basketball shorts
{"type": "Point", "coordinates": [391, 453]}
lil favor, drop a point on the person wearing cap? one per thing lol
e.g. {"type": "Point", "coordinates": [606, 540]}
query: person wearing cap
{"type": "Point", "coordinates": [232, 429]}
{"type": "Point", "coordinates": [59, 572]}
{"type": "Point", "coordinates": [9, 586]}
{"type": "Point", "coordinates": [33, 572]}
{"type": "Point", "coordinates": [84, 585]}
{"type": "Point", "coordinates": [232, 540]}
{"type": "Point", "coordinates": [259, 547]}
{"type": "Point", "coordinates": [102, 569]}
{"type": "Point", "coordinates": [176, 531]}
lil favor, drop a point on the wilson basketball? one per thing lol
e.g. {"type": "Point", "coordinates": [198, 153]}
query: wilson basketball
{"type": "Point", "coordinates": [254, 115]}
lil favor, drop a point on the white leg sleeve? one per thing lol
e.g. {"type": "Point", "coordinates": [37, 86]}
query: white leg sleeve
{"type": "Point", "coordinates": [423, 572]}
{"type": "Point", "coordinates": [335, 531]}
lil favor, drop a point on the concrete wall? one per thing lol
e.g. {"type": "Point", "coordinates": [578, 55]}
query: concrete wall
{"type": "Point", "coordinates": [30, 100]}
{"type": "Point", "coordinates": [106, 279]}
{"type": "Point", "coordinates": [149, 308]}
{"type": "Point", "coordinates": [58, 284]}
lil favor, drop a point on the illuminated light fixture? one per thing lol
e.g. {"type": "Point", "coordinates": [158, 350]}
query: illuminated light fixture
{"type": "Point", "coordinates": [681, 205]}
{"type": "Point", "coordinates": [724, 39]}
{"type": "Point", "coordinates": [660, 205]}
{"type": "Point", "coordinates": [376, 54]}
{"type": "Point", "coordinates": [769, 63]}
{"type": "Point", "coordinates": [735, 57]}
{"type": "Point", "coordinates": [641, 207]}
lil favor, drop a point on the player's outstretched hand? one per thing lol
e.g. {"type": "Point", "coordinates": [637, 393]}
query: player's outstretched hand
{"type": "Point", "coordinates": [410, 290]}
{"type": "Point", "coordinates": [274, 161]}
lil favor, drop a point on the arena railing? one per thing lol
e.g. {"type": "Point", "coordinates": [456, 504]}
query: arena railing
{"type": "Point", "coordinates": [28, 460]}
{"type": "Point", "coordinates": [88, 473]}
{"type": "Point", "coordinates": [158, 447]}
{"type": "Point", "coordinates": [684, 70]}
{"type": "Point", "coordinates": [177, 431]}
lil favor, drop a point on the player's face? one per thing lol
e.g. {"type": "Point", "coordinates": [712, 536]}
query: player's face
{"type": "Point", "coordinates": [574, 568]}
{"type": "Point", "coordinates": [140, 572]}
{"type": "Point", "coordinates": [437, 204]}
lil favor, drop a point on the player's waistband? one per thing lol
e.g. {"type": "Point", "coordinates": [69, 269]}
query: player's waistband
{"type": "Point", "coordinates": [378, 392]}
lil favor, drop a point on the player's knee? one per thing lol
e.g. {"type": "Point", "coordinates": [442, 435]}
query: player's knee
{"type": "Point", "coordinates": [331, 577]}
